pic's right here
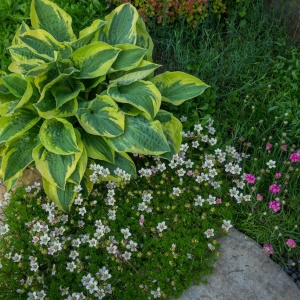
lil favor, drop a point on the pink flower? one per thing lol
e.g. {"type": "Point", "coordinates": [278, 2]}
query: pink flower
{"type": "Point", "coordinates": [250, 178]}
{"type": "Point", "coordinates": [189, 173]}
{"type": "Point", "coordinates": [268, 249]}
{"type": "Point", "coordinates": [284, 147]}
{"type": "Point", "coordinates": [278, 175]}
{"type": "Point", "coordinates": [219, 201]}
{"type": "Point", "coordinates": [294, 157]}
{"type": "Point", "coordinates": [291, 243]}
{"type": "Point", "coordinates": [274, 205]}
{"type": "Point", "coordinates": [259, 197]}
{"type": "Point", "coordinates": [274, 188]}
{"type": "Point", "coordinates": [269, 146]}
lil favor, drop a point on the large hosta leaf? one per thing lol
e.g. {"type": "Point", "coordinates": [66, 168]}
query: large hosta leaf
{"type": "Point", "coordinates": [97, 147]}
{"type": "Point", "coordinates": [144, 39]}
{"type": "Point", "coordinates": [55, 168]}
{"type": "Point", "coordinates": [18, 153]}
{"type": "Point", "coordinates": [172, 129]}
{"type": "Point", "coordinates": [41, 42]}
{"type": "Point", "coordinates": [141, 94]}
{"type": "Point", "coordinates": [46, 15]}
{"type": "Point", "coordinates": [22, 52]}
{"type": "Point", "coordinates": [58, 136]}
{"type": "Point", "coordinates": [121, 26]}
{"type": "Point", "coordinates": [79, 171]}
{"type": "Point", "coordinates": [144, 69]}
{"type": "Point", "coordinates": [63, 198]}
{"type": "Point", "coordinates": [22, 29]}
{"type": "Point", "coordinates": [16, 84]}
{"type": "Point", "coordinates": [94, 60]}
{"type": "Point", "coordinates": [17, 124]}
{"type": "Point", "coordinates": [101, 117]}
{"type": "Point", "coordinates": [24, 66]}
{"type": "Point", "coordinates": [177, 87]}
{"type": "Point", "coordinates": [141, 136]}
{"type": "Point", "coordinates": [129, 58]}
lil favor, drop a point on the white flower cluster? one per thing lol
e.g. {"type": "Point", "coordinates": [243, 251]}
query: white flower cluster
{"type": "Point", "coordinates": [145, 205]}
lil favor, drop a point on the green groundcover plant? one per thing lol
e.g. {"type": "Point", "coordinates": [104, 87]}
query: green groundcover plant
{"type": "Point", "coordinates": [145, 238]}
{"type": "Point", "coordinates": [70, 101]}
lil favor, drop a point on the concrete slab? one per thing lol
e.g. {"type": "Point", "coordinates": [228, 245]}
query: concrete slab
{"type": "Point", "coordinates": [244, 272]}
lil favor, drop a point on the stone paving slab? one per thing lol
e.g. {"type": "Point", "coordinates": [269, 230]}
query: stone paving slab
{"type": "Point", "coordinates": [244, 272]}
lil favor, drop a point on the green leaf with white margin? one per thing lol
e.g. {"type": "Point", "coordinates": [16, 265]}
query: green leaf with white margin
{"type": "Point", "coordinates": [144, 69]}
{"type": "Point", "coordinates": [16, 84]}
{"type": "Point", "coordinates": [42, 42]}
{"type": "Point", "coordinates": [18, 153]}
{"type": "Point", "coordinates": [55, 168]}
{"type": "Point", "coordinates": [144, 39]}
{"type": "Point", "coordinates": [22, 52]}
{"type": "Point", "coordinates": [24, 66]}
{"type": "Point", "coordinates": [16, 124]}
{"type": "Point", "coordinates": [172, 129]}
{"type": "Point", "coordinates": [121, 26]}
{"type": "Point", "coordinates": [22, 29]}
{"type": "Point", "coordinates": [46, 107]}
{"type": "Point", "coordinates": [177, 87]}
{"type": "Point", "coordinates": [87, 34]}
{"type": "Point", "coordinates": [58, 136]}
{"type": "Point", "coordinates": [122, 161]}
{"type": "Point", "coordinates": [101, 117]}
{"type": "Point", "coordinates": [78, 173]}
{"type": "Point", "coordinates": [97, 147]}
{"type": "Point", "coordinates": [129, 58]}
{"type": "Point", "coordinates": [66, 90]}
{"type": "Point", "coordinates": [63, 198]}
{"type": "Point", "coordinates": [141, 136]}
{"type": "Point", "coordinates": [94, 60]}
{"type": "Point", "coordinates": [44, 14]}
{"type": "Point", "coordinates": [141, 94]}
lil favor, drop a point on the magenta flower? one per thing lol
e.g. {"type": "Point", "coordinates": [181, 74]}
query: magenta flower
{"type": "Point", "coordinates": [291, 243]}
{"type": "Point", "coordinates": [259, 197]}
{"type": "Point", "coordinates": [274, 205]}
{"type": "Point", "coordinates": [294, 157]}
{"type": "Point", "coordinates": [278, 175]}
{"type": "Point", "coordinates": [268, 249]}
{"type": "Point", "coordinates": [274, 188]}
{"type": "Point", "coordinates": [250, 178]}
{"type": "Point", "coordinates": [269, 146]}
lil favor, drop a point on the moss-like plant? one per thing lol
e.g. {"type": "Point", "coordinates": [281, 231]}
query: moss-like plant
{"type": "Point", "coordinates": [72, 99]}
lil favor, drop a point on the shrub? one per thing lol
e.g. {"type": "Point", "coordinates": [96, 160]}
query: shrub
{"type": "Point", "coordinates": [70, 101]}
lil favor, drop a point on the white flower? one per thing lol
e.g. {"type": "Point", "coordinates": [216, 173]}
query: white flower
{"type": "Point", "coordinates": [76, 243]}
{"type": "Point", "coordinates": [161, 226]}
{"type": "Point", "coordinates": [198, 127]}
{"type": "Point", "coordinates": [73, 254]}
{"type": "Point", "coordinates": [4, 229]}
{"type": "Point", "coordinates": [146, 197]}
{"type": "Point", "coordinates": [271, 164]}
{"type": "Point", "coordinates": [183, 119]}
{"type": "Point", "coordinates": [112, 249]}
{"type": "Point", "coordinates": [82, 211]}
{"type": "Point", "coordinates": [211, 200]}
{"type": "Point", "coordinates": [93, 243]}
{"type": "Point", "coordinates": [111, 214]}
{"type": "Point", "coordinates": [213, 141]}
{"type": "Point", "coordinates": [126, 255]}
{"type": "Point", "coordinates": [199, 201]}
{"type": "Point", "coordinates": [161, 167]}
{"type": "Point", "coordinates": [195, 144]}
{"type": "Point", "coordinates": [209, 233]}
{"type": "Point", "coordinates": [71, 266]}
{"type": "Point", "coordinates": [181, 172]}
{"type": "Point", "coordinates": [17, 257]}
{"type": "Point", "coordinates": [132, 246]}
{"type": "Point", "coordinates": [157, 293]}
{"type": "Point", "coordinates": [126, 233]}
{"type": "Point", "coordinates": [176, 191]}
{"type": "Point", "coordinates": [77, 189]}
{"type": "Point", "coordinates": [226, 225]}
{"type": "Point", "coordinates": [44, 239]}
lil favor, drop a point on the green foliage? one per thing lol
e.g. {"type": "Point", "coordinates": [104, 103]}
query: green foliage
{"type": "Point", "coordinates": [63, 88]}
{"type": "Point", "coordinates": [169, 11]}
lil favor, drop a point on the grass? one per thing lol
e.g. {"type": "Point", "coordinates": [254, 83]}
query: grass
{"type": "Point", "coordinates": [254, 76]}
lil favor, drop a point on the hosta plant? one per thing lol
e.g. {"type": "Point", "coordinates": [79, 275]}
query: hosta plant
{"type": "Point", "coordinates": [71, 101]}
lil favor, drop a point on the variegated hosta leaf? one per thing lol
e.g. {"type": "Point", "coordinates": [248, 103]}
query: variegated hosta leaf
{"type": "Point", "coordinates": [177, 87]}
{"type": "Point", "coordinates": [66, 90]}
{"type": "Point", "coordinates": [129, 58]}
{"type": "Point", "coordinates": [101, 117]}
{"type": "Point", "coordinates": [122, 161]}
{"type": "Point", "coordinates": [16, 84]}
{"type": "Point", "coordinates": [172, 129]}
{"type": "Point", "coordinates": [22, 29]}
{"type": "Point", "coordinates": [87, 34]}
{"type": "Point", "coordinates": [24, 66]}
{"type": "Point", "coordinates": [79, 171]}
{"type": "Point", "coordinates": [41, 42]}
{"type": "Point", "coordinates": [22, 52]}
{"type": "Point", "coordinates": [16, 124]}
{"type": "Point", "coordinates": [141, 136]}
{"type": "Point", "coordinates": [92, 83]}
{"type": "Point", "coordinates": [86, 184]}
{"type": "Point", "coordinates": [97, 147]}
{"type": "Point", "coordinates": [46, 107]}
{"type": "Point", "coordinates": [63, 198]}
{"type": "Point", "coordinates": [55, 168]}
{"type": "Point", "coordinates": [94, 60]}
{"type": "Point", "coordinates": [58, 136]}
{"type": "Point", "coordinates": [11, 182]}
{"type": "Point", "coordinates": [144, 39]}
{"type": "Point", "coordinates": [144, 69]}
{"type": "Point", "coordinates": [18, 153]}
{"type": "Point", "coordinates": [141, 94]}
{"type": "Point", "coordinates": [46, 15]}
{"type": "Point", "coordinates": [121, 26]}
